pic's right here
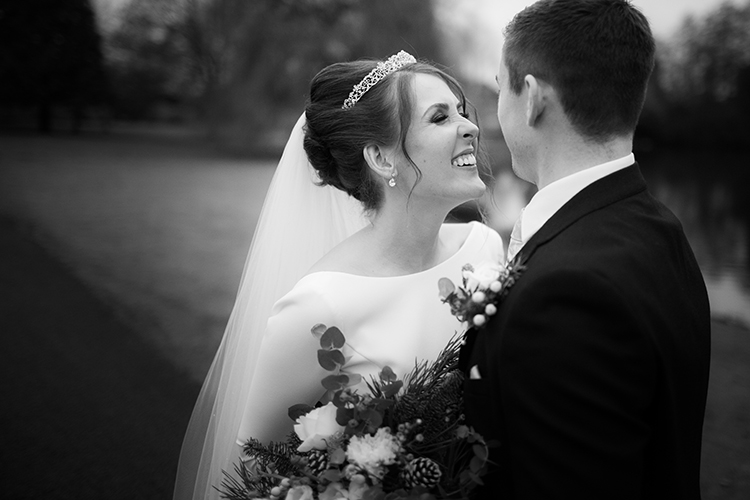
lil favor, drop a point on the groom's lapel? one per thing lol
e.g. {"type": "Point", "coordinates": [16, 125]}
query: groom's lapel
{"type": "Point", "coordinates": [610, 189]}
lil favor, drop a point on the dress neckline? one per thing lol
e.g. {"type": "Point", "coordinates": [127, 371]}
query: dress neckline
{"type": "Point", "coordinates": [474, 229]}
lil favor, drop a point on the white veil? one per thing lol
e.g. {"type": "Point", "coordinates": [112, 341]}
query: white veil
{"type": "Point", "coordinates": [298, 224]}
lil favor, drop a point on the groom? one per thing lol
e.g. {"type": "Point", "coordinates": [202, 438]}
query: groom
{"type": "Point", "coordinates": [593, 373]}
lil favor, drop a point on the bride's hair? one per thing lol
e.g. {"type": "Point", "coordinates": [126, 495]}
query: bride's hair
{"type": "Point", "coordinates": [335, 138]}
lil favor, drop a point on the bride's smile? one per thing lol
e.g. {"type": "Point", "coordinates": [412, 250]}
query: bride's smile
{"type": "Point", "coordinates": [442, 143]}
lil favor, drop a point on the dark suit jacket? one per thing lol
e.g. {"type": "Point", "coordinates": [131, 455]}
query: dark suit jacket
{"type": "Point", "coordinates": [595, 367]}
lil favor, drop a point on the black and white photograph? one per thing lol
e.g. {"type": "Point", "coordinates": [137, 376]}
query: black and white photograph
{"type": "Point", "coordinates": [375, 249]}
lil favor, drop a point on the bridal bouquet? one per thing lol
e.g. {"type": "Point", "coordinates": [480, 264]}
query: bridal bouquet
{"type": "Point", "coordinates": [403, 439]}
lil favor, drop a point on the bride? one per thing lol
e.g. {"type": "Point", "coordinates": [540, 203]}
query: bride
{"type": "Point", "coordinates": [352, 235]}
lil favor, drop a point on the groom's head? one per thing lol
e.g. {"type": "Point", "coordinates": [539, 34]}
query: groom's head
{"type": "Point", "coordinates": [596, 54]}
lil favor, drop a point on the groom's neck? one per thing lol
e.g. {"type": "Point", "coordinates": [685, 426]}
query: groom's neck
{"type": "Point", "coordinates": [574, 154]}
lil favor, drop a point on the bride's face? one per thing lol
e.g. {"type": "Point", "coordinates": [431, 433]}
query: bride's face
{"type": "Point", "coordinates": [441, 141]}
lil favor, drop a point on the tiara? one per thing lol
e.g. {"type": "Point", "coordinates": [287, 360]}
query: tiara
{"type": "Point", "coordinates": [383, 69]}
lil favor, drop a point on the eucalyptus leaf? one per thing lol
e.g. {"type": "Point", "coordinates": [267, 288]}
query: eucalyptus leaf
{"type": "Point", "coordinates": [354, 379]}
{"type": "Point", "coordinates": [318, 330]}
{"type": "Point", "coordinates": [480, 451]}
{"type": "Point", "coordinates": [332, 339]}
{"type": "Point", "coordinates": [387, 374]}
{"type": "Point", "coordinates": [331, 360]}
{"type": "Point", "coordinates": [335, 382]}
{"type": "Point", "coordinates": [392, 389]}
{"type": "Point", "coordinates": [374, 418]}
{"type": "Point", "coordinates": [446, 287]}
{"type": "Point", "coordinates": [298, 410]}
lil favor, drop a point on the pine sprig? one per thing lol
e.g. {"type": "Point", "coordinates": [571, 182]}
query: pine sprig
{"type": "Point", "coordinates": [278, 458]}
{"type": "Point", "coordinates": [248, 487]}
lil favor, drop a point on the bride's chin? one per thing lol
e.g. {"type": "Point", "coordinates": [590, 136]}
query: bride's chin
{"type": "Point", "coordinates": [474, 193]}
{"type": "Point", "coordinates": [480, 187]}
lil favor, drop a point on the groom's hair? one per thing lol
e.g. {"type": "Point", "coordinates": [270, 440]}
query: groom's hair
{"type": "Point", "coordinates": [597, 54]}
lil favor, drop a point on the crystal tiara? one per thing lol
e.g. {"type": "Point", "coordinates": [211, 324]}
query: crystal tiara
{"type": "Point", "coordinates": [383, 69]}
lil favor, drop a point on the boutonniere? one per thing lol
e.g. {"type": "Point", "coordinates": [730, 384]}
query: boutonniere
{"type": "Point", "coordinates": [483, 288]}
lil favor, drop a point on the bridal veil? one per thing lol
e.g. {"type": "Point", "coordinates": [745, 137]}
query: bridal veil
{"type": "Point", "coordinates": [299, 222]}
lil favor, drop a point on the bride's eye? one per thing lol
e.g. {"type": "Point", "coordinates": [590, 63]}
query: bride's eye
{"type": "Point", "coordinates": [439, 117]}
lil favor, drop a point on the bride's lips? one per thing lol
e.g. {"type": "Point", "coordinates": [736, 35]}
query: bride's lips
{"type": "Point", "coordinates": [465, 159]}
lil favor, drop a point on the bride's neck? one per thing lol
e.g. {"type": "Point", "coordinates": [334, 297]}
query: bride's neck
{"type": "Point", "coordinates": [408, 240]}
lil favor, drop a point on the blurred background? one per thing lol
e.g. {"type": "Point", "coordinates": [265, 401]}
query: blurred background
{"type": "Point", "coordinates": [138, 137]}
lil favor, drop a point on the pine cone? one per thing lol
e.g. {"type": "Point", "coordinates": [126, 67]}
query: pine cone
{"type": "Point", "coordinates": [317, 461]}
{"type": "Point", "coordinates": [422, 472]}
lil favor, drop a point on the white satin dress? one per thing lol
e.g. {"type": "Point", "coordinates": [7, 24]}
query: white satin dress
{"type": "Point", "coordinates": [394, 321]}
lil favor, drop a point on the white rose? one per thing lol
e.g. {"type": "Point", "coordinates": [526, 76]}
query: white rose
{"type": "Point", "coordinates": [316, 427]}
{"type": "Point", "coordinates": [482, 276]}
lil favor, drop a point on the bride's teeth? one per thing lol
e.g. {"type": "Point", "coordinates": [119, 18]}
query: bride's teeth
{"type": "Point", "coordinates": [463, 160]}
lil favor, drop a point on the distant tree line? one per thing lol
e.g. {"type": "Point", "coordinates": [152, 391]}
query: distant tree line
{"type": "Point", "coordinates": [700, 91]}
{"type": "Point", "coordinates": [241, 68]}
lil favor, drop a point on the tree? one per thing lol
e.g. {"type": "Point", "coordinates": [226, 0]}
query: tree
{"type": "Point", "coordinates": [704, 75]}
{"type": "Point", "coordinates": [51, 56]}
{"type": "Point", "coordinates": [244, 67]}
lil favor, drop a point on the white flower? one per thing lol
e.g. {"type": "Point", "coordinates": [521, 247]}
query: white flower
{"type": "Point", "coordinates": [316, 427]}
{"type": "Point", "coordinates": [490, 309]}
{"type": "Point", "coordinates": [482, 276]}
{"type": "Point", "coordinates": [300, 492]}
{"type": "Point", "coordinates": [372, 453]}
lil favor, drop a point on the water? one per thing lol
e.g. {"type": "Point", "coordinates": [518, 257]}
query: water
{"type": "Point", "coordinates": [159, 225]}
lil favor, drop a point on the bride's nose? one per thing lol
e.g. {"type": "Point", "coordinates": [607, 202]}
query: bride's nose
{"type": "Point", "coordinates": [468, 129]}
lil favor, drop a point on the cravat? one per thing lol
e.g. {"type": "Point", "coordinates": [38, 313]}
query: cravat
{"type": "Point", "coordinates": [516, 242]}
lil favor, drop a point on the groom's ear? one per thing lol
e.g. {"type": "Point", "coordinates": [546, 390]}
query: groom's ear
{"type": "Point", "coordinates": [377, 159]}
{"type": "Point", "coordinates": [536, 99]}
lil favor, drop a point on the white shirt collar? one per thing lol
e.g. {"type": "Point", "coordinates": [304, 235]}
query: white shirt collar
{"type": "Point", "coordinates": [547, 201]}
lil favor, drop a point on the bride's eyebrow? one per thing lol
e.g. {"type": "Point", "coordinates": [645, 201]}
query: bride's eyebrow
{"type": "Point", "coordinates": [442, 106]}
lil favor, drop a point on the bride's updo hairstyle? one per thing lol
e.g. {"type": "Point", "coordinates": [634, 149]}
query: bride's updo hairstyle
{"type": "Point", "coordinates": [335, 138]}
